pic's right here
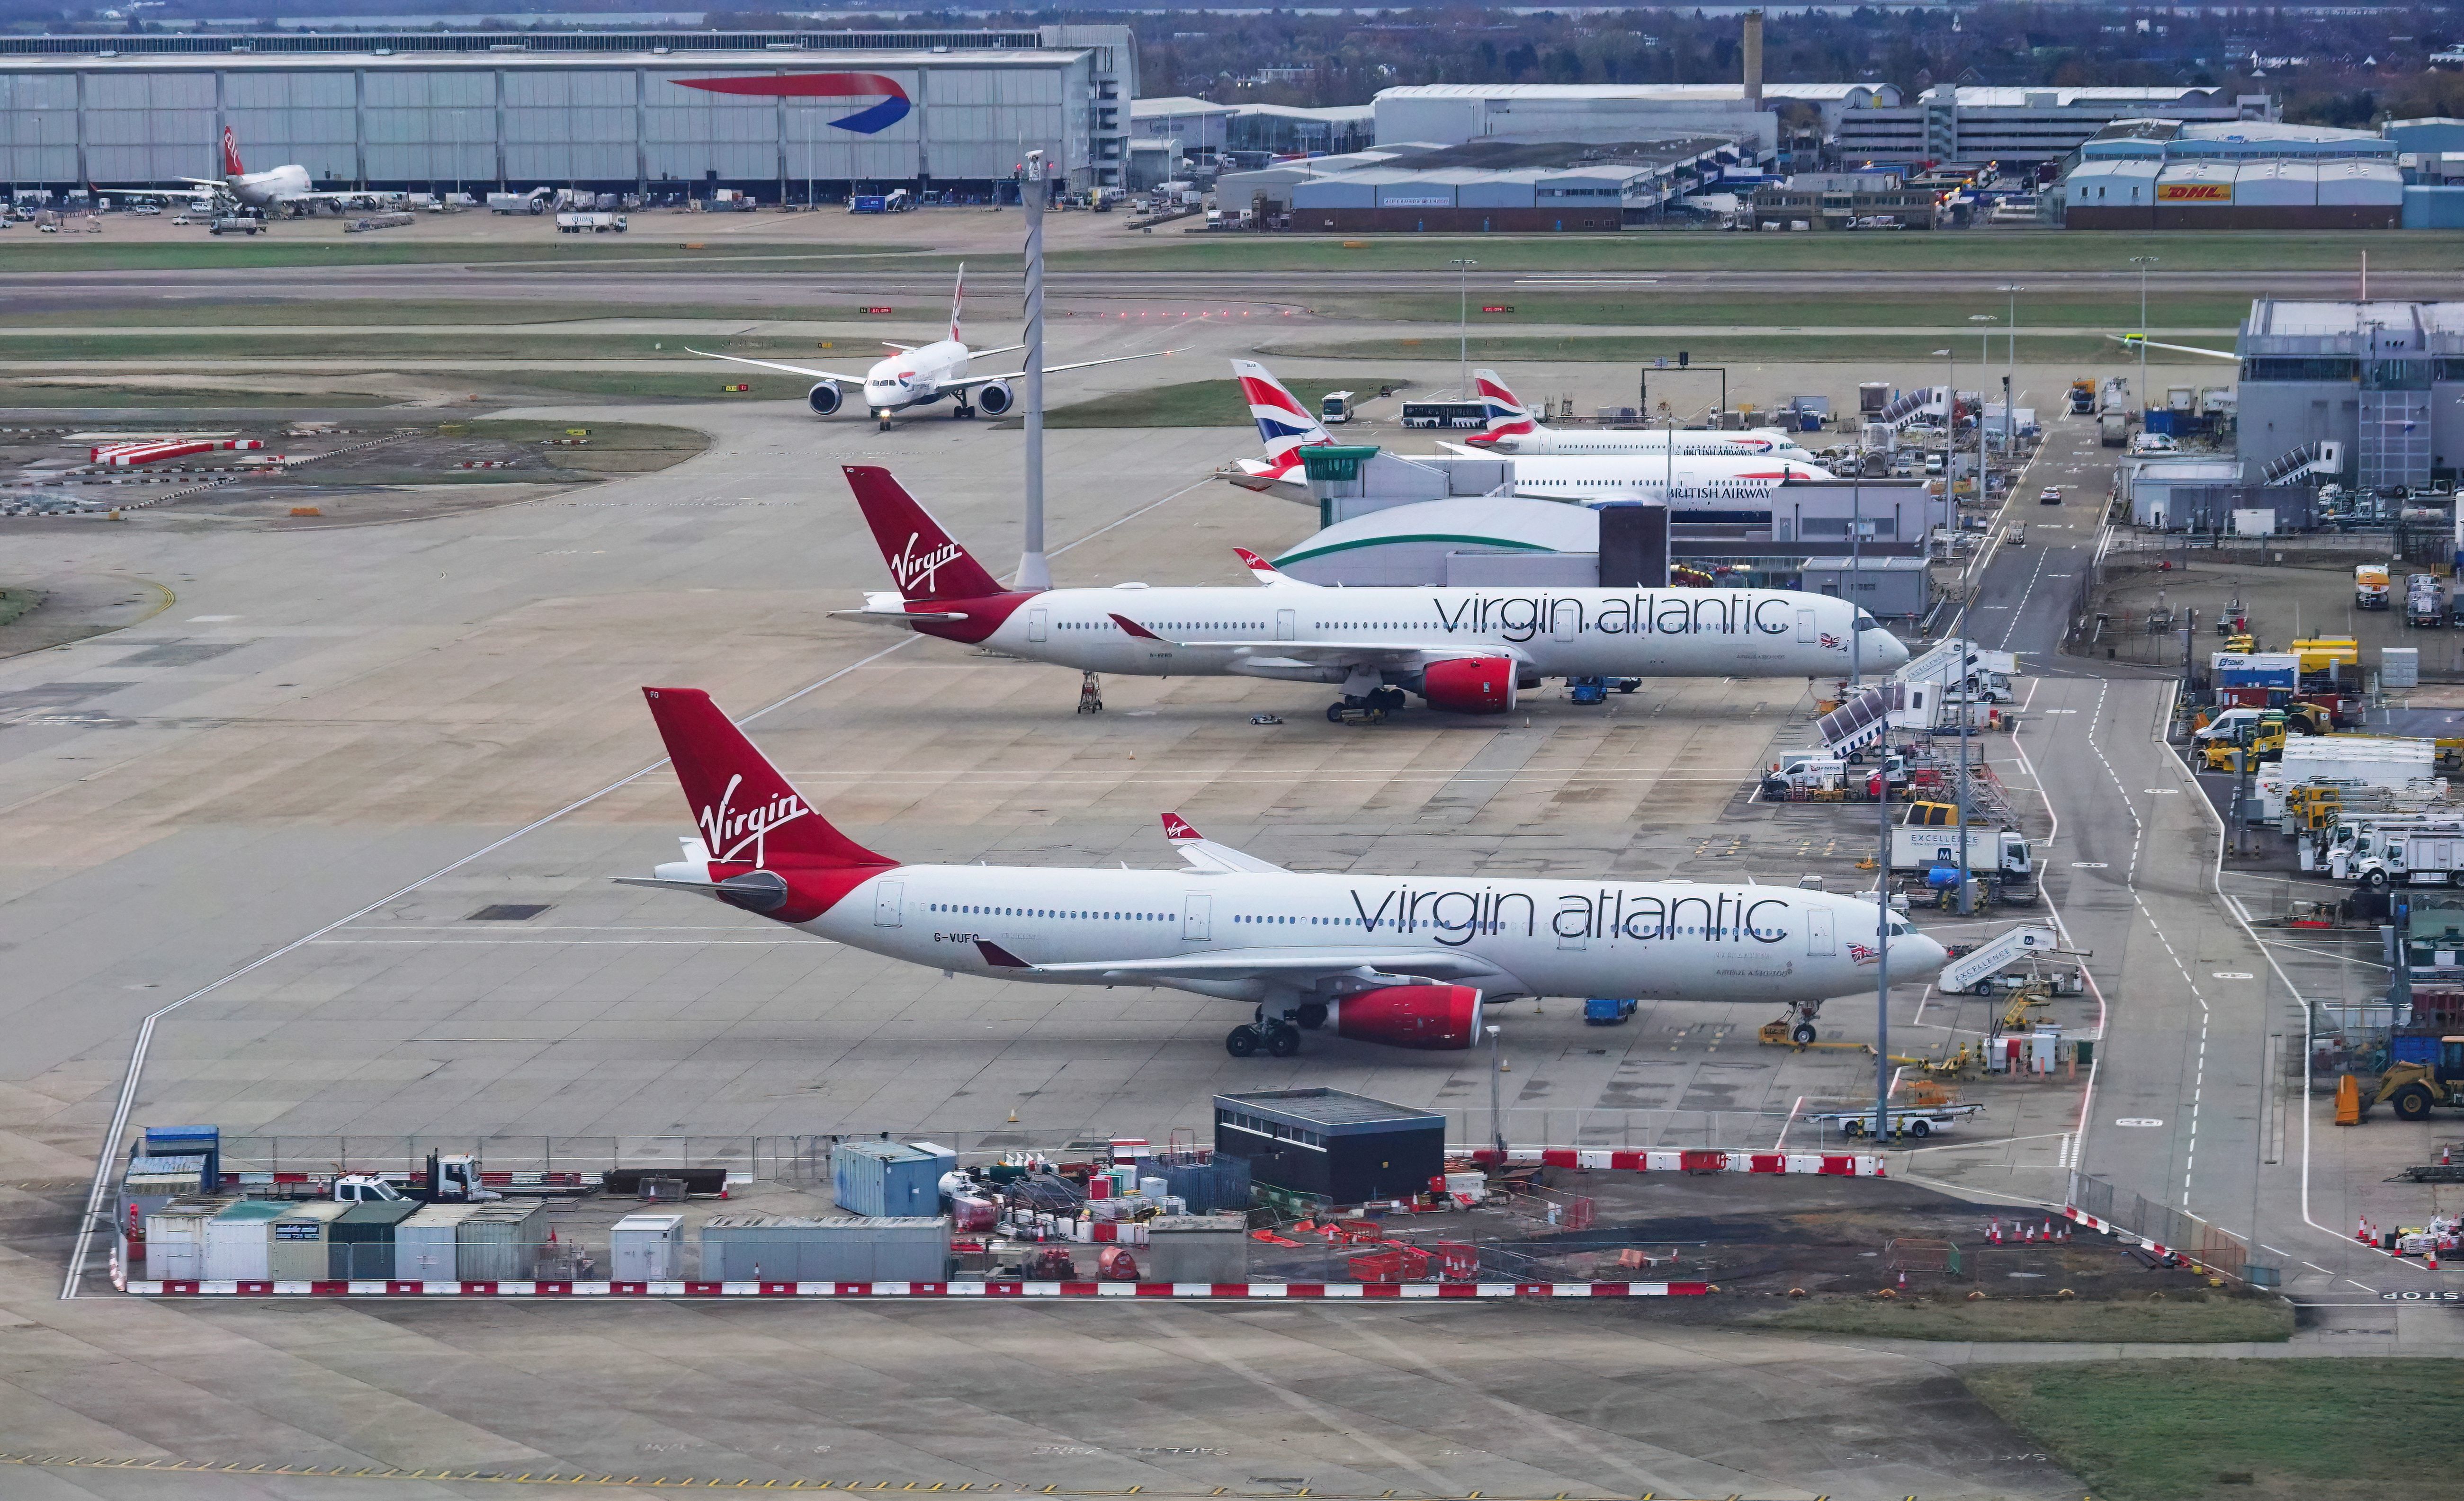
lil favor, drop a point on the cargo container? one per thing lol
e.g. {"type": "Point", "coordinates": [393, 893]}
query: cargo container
{"type": "Point", "coordinates": [2400, 667]}
{"type": "Point", "coordinates": [784, 1248]}
{"type": "Point", "coordinates": [206, 1142]}
{"type": "Point", "coordinates": [358, 1245]}
{"type": "Point", "coordinates": [237, 1242]}
{"type": "Point", "coordinates": [885, 1179]}
{"type": "Point", "coordinates": [1219, 1183]}
{"type": "Point", "coordinates": [499, 1242]}
{"type": "Point", "coordinates": [175, 1239]}
{"type": "Point", "coordinates": [166, 1175]}
{"type": "Point", "coordinates": [647, 1247]}
{"type": "Point", "coordinates": [1196, 1247]}
{"type": "Point", "coordinates": [2256, 669]}
{"type": "Point", "coordinates": [424, 1244]}
{"type": "Point", "coordinates": [298, 1248]}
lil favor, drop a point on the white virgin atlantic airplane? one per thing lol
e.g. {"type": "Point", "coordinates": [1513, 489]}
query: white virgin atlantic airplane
{"type": "Point", "coordinates": [922, 374]}
{"type": "Point", "coordinates": [1402, 961]}
{"type": "Point", "coordinates": [1466, 650]}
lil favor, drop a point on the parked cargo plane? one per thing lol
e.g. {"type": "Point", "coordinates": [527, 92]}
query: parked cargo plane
{"type": "Point", "coordinates": [277, 190]}
{"type": "Point", "coordinates": [1736, 486]}
{"type": "Point", "coordinates": [1407, 961]}
{"type": "Point", "coordinates": [920, 375]}
{"type": "Point", "coordinates": [1463, 650]}
{"type": "Point", "coordinates": [1512, 429]}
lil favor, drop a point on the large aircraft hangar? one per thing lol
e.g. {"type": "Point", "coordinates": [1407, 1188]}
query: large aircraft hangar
{"type": "Point", "coordinates": [789, 116]}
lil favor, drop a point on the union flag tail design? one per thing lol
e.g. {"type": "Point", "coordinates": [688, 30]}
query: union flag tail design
{"type": "Point", "coordinates": [745, 811]}
{"type": "Point", "coordinates": [925, 562]}
{"type": "Point", "coordinates": [230, 154]}
{"type": "Point", "coordinates": [1506, 419]}
{"type": "Point", "coordinates": [1284, 424]}
{"type": "Point", "coordinates": [957, 303]}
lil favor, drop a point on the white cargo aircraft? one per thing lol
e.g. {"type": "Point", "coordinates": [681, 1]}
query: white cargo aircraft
{"type": "Point", "coordinates": [1462, 650]}
{"type": "Point", "coordinates": [920, 375]}
{"type": "Point", "coordinates": [279, 189]}
{"type": "Point", "coordinates": [1736, 485]}
{"type": "Point", "coordinates": [1407, 961]}
{"type": "Point", "coordinates": [1512, 429]}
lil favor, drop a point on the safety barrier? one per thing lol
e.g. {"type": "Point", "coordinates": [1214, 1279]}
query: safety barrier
{"type": "Point", "coordinates": [1305, 1291]}
{"type": "Point", "coordinates": [1823, 1165]}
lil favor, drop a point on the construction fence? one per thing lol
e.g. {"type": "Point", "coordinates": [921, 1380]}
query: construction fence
{"type": "Point", "coordinates": [2164, 1228]}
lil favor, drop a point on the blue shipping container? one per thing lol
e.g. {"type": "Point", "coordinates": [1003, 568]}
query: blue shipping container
{"type": "Point", "coordinates": [887, 1180]}
{"type": "Point", "coordinates": [2257, 677]}
{"type": "Point", "coordinates": [206, 1142]}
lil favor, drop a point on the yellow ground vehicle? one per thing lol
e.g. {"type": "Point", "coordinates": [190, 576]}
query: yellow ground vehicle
{"type": "Point", "coordinates": [2417, 1087]}
{"type": "Point", "coordinates": [2261, 739]}
{"type": "Point", "coordinates": [2317, 653]}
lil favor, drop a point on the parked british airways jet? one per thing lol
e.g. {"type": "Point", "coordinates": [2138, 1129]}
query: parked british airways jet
{"type": "Point", "coordinates": [1403, 960]}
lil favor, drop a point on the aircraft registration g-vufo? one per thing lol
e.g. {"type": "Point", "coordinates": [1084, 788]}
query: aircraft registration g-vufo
{"type": "Point", "coordinates": [922, 374]}
{"type": "Point", "coordinates": [1407, 961]}
{"type": "Point", "coordinates": [1467, 650]}
{"type": "Point", "coordinates": [1731, 484]}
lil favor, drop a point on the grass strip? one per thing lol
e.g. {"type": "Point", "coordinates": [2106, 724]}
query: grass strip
{"type": "Point", "coordinates": [2179, 1430]}
{"type": "Point", "coordinates": [1738, 349]}
{"type": "Point", "coordinates": [2218, 1321]}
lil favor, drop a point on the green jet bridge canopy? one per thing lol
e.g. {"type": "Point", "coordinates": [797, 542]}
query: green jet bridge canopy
{"type": "Point", "coordinates": [1336, 461]}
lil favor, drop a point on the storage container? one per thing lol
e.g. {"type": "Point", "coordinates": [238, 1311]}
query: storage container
{"type": "Point", "coordinates": [206, 1142]}
{"type": "Point", "coordinates": [647, 1247]}
{"type": "Point", "coordinates": [424, 1245]}
{"type": "Point", "coordinates": [1213, 1186]}
{"type": "Point", "coordinates": [236, 1241]}
{"type": "Point", "coordinates": [499, 1242]}
{"type": "Point", "coordinates": [297, 1250]}
{"type": "Point", "coordinates": [168, 1175]}
{"type": "Point", "coordinates": [175, 1239]}
{"type": "Point", "coordinates": [358, 1245]}
{"type": "Point", "coordinates": [890, 1178]}
{"type": "Point", "coordinates": [780, 1248]}
{"type": "Point", "coordinates": [1196, 1247]}
{"type": "Point", "coordinates": [2400, 667]}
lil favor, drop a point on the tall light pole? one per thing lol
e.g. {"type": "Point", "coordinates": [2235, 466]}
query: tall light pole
{"type": "Point", "coordinates": [1882, 948]}
{"type": "Point", "coordinates": [2010, 371]}
{"type": "Point", "coordinates": [1496, 1115]}
{"type": "Point", "coordinates": [1951, 430]}
{"type": "Point", "coordinates": [2143, 262]}
{"type": "Point", "coordinates": [1984, 361]}
{"type": "Point", "coordinates": [1034, 571]}
{"type": "Point", "coordinates": [1463, 325]}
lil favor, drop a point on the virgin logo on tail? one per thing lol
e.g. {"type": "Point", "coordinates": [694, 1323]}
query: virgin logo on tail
{"type": "Point", "coordinates": [914, 572]}
{"type": "Point", "coordinates": [726, 831]}
{"type": "Point", "coordinates": [1175, 826]}
{"type": "Point", "coordinates": [231, 153]}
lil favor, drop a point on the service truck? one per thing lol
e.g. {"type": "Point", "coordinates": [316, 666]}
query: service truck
{"type": "Point", "coordinates": [1991, 852]}
{"type": "Point", "coordinates": [2082, 397]}
{"type": "Point", "coordinates": [592, 223]}
{"type": "Point", "coordinates": [2113, 429]}
{"type": "Point", "coordinates": [2415, 858]}
{"type": "Point", "coordinates": [2371, 587]}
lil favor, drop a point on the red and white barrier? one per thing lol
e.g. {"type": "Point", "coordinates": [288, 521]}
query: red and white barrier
{"type": "Point", "coordinates": [2077, 1216]}
{"type": "Point", "coordinates": [1823, 1165]}
{"type": "Point", "coordinates": [923, 1290]}
{"type": "Point", "coordinates": [119, 456]}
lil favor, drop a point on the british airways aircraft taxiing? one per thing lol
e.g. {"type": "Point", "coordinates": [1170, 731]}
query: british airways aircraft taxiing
{"type": "Point", "coordinates": [1716, 483]}
{"type": "Point", "coordinates": [1404, 960]}
{"type": "Point", "coordinates": [1463, 650]}
{"type": "Point", "coordinates": [919, 375]}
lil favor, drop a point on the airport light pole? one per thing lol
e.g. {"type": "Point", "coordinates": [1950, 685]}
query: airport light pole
{"type": "Point", "coordinates": [1463, 325]}
{"type": "Point", "coordinates": [1984, 361]}
{"type": "Point", "coordinates": [1496, 1115]}
{"type": "Point", "coordinates": [1034, 571]}
{"type": "Point", "coordinates": [1882, 948]}
{"type": "Point", "coordinates": [2010, 371]}
{"type": "Point", "coordinates": [2143, 262]}
{"type": "Point", "coordinates": [1951, 430]}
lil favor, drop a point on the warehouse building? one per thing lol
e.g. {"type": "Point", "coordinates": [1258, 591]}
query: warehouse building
{"type": "Point", "coordinates": [1845, 200]}
{"type": "Point", "coordinates": [2384, 379]}
{"type": "Point", "coordinates": [1487, 187]}
{"type": "Point", "coordinates": [2019, 127]}
{"type": "Point", "coordinates": [781, 116]}
{"type": "Point", "coordinates": [2237, 140]}
{"type": "Point", "coordinates": [1455, 112]}
{"type": "Point", "coordinates": [2258, 193]}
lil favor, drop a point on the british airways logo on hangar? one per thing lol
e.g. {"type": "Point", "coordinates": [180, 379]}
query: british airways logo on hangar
{"type": "Point", "coordinates": [890, 103]}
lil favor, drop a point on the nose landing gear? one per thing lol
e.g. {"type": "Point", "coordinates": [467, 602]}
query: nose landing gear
{"type": "Point", "coordinates": [882, 416]}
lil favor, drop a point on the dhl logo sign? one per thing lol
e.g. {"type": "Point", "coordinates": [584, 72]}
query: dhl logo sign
{"type": "Point", "coordinates": [2194, 193]}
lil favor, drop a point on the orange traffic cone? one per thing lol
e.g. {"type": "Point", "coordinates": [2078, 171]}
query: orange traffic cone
{"type": "Point", "coordinates": [2362, 1231]}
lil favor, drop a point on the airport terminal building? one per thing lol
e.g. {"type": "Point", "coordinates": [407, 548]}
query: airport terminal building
{"type": "Point", "coordinates": [777, 114]}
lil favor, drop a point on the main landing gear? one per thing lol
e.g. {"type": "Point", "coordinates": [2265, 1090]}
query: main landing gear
{"type": "Point", "coordinates": [963, 412]}
{"type": "Point", "coordinates": [1280, 1036]}
{"type": "Point", "coordinates": [1090, 694]}
{"type": "Point", "coordinates": [1367, 708]}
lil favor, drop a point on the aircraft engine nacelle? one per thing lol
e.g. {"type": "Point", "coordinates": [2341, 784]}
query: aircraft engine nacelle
{"type": "Point", "coordinates": [996, 397]}
{"type": "Point", "coordinates": [1470, 685]}
{"type": "Point", "coordinates": [824, 399]}
{"type": "Point", "coordinates": [1431, 1018]}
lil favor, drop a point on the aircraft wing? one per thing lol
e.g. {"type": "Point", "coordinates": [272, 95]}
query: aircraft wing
{"type": "Point", "coordinates": [986, 354]}
{"type": "Point", "coordinates": [1368, 965]}
{"type": "Point", "coordinates": [1206, 856]}
{"type": "Point", "coordinates": [773, 364]}
{"type": "Point", "coordinates": [2131, 341]}
{"type": "Point", "coordinates": [1050, 369]}
{"type": "Point", "coordinates": [1382, 653]}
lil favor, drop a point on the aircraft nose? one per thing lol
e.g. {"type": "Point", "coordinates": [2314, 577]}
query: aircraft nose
{"type": "Point", "coordinates": [1882, 650]}
{"type": "Point", "coordinates": [1917, 951]}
